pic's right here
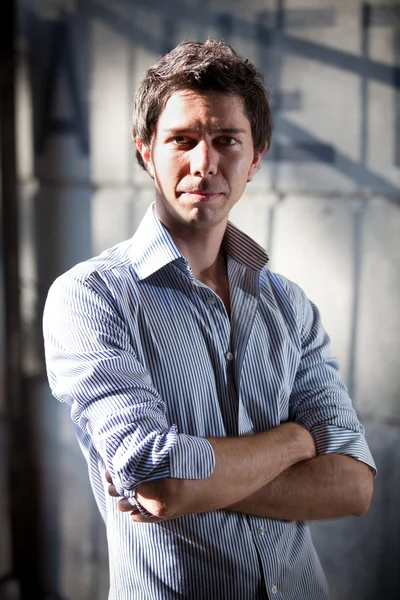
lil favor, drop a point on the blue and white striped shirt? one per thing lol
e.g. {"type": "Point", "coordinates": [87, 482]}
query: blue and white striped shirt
{"type": "Point", "coordinates": [150, 364]}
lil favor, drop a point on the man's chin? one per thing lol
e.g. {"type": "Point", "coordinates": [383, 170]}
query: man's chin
{"type": "Point", "coordinates": [194, 215]}
{"type": "Point", "coordinates": [203, 216]}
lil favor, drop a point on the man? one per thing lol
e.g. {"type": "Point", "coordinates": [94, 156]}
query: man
{"type": "Point", "coordinates": [200, 383]}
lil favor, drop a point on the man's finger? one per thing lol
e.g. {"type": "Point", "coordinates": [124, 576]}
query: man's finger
{"type": "Point", "coordinates": [112, 491]}
{"type": "Point", "coordinates": [138, 518]}
{"type": "Point", "coordinates": [108, 477]}
{"type": "Point", "coordinates": [125, 506]}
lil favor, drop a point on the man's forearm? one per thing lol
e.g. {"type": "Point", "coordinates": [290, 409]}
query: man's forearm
{"type": "Point", "coordinates": [243, 465]}
{"type": "Point", "coordinates": [323, 487]}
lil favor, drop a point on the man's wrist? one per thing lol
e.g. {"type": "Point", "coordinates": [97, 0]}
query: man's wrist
{"type": "Point", "coordinates": [301, 442]}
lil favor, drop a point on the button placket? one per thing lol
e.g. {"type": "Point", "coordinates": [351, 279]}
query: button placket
{"type": "Point", "coordinates": [210, 300]}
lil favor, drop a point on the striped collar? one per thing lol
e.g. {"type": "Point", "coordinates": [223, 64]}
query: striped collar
{"type": "Point", "coordinates": [153, 247]}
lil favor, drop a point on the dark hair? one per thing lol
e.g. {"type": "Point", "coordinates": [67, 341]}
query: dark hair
{"type": "Point", "coordinates": [210, 66]}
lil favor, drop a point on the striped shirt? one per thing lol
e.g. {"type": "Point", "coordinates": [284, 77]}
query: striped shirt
{"type": "Point", "coordinates": [150, 364]}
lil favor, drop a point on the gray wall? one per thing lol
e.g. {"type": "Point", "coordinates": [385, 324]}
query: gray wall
{"type": "Point", "coordinates": [325, 204]}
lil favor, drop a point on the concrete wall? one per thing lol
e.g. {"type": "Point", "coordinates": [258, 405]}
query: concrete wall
{"type": "Point", "coordinates": [325, 203]}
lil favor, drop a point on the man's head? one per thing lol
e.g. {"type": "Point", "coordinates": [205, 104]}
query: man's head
{"type": "Point", "coordinates": [204, 67]}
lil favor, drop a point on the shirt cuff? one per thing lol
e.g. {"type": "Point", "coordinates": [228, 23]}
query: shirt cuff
{"type": "Point", "coordinates": [191, 458]}
{"type": "Point", "coordinates": [330, 439]}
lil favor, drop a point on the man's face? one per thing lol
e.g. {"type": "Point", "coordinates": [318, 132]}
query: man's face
{"type": "Point", "coordinates": [201, 157]}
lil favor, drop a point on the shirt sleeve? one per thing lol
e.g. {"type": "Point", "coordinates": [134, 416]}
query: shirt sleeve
{"type": "Point", "coordinates": [320, 400]}
{"type": "Point", "coordinates": [92, 366]}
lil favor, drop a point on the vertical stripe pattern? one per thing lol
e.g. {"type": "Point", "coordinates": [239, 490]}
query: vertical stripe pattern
{"type": "Point", "coordinates": [149, 364]}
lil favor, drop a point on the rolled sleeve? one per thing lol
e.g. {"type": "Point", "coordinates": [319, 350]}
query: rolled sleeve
{"type": "Point", "coordinates": [330, 439]}
{"type": "Point", "coordinates": [92, 366]}
{"type": "Point", "coordinates": [191, 458]}
{"type": "Point", "coordinates": [320, 400]}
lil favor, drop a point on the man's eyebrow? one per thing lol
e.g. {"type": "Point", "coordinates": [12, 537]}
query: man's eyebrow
{"type": "Point", "coordinates": [223, 130]}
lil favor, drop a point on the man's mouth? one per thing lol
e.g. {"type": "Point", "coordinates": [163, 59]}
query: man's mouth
{"type": "Point", "coordinates": [201, 193]}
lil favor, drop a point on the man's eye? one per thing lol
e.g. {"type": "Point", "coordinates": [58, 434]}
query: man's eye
{"type": "Point", "coordinates": [180, 140]}
{"type": "Point", "coordinates": [227, 140]}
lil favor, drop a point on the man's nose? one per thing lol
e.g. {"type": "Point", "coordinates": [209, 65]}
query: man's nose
{"type": "Point", "coordinates": [203, 159]}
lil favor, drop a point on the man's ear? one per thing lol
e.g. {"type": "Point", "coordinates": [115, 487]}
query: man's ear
{"type": "Point", "coordinates": [145, 153]}
{"type": "Point", "coordinates": [256, 162]}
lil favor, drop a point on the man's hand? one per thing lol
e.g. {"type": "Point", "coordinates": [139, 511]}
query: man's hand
{"type": "Point", "coordinates": [125, 506]}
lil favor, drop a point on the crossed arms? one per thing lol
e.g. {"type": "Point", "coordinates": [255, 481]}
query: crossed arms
{"type": "Point", "coordinates": [273, 474]}
{"type": "Point", "coordinates": [284, 472]}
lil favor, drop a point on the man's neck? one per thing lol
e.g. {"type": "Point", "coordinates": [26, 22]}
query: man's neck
{"type": "Point", "coordinates": [202, 250]}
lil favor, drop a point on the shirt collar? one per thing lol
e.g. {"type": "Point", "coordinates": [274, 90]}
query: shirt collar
{"type": "Point", "coordinates": [243, 248]}
{"type": "Point", "coordinates": [153, 247]}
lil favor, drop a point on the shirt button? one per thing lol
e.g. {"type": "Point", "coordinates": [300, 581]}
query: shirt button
{"type": "Point", "coordinates": [210, 300]}
{"type": "Point", "coordinates": [228, 356]}
{"type": "Point", "coordinates": [274, 589]}
{"type": "Point", "coordinates": [261, 531]}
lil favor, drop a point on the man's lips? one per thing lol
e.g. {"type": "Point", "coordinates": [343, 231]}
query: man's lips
{"type": "Point", "coordinates": [200, 193]}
